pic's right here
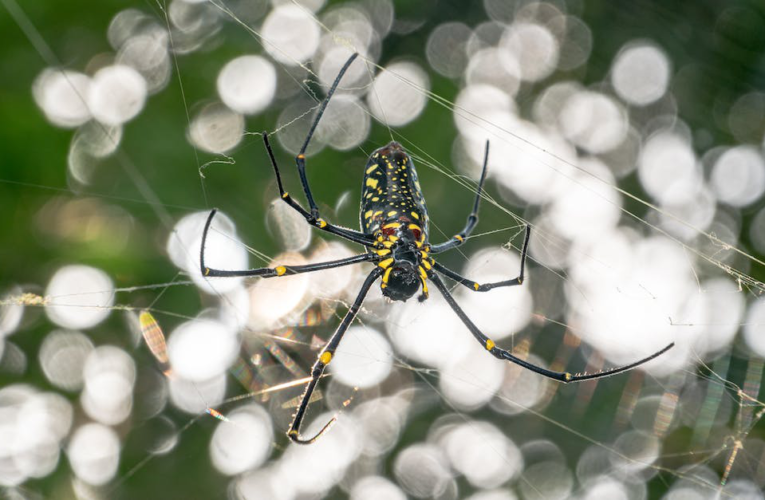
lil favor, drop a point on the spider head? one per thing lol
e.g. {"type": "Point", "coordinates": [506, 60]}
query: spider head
{"type": "Point", "coordinates": [402, 281]}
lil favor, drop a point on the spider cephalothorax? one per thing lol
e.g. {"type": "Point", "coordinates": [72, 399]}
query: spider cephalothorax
{"type": "Point", "coordinates": [394, 230]}
{"type": "Point", "coordinates": [405, 264]}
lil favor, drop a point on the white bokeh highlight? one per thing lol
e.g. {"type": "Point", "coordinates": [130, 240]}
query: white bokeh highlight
{"type": "Point", "coordinates": [243, 442]}
{"type": "Point", "coordinates": [363, 359]}
{"type": "Point", "coordinates": [247, 84]}
{"type": "Point", "coordinates": [201, 349]}
{"type": "Point", "coordinates": [640, 73]}
{"type": "Point", "coordinates": [117, 94]}
{"type": "Point", "coordinates": [79, 297]}
{"type": "Point", "coordinates": [94, 453]}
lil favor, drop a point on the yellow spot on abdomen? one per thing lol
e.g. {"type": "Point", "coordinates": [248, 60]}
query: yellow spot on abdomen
{"type": "Point", "coordinates": [372, 183]}
{"type": "Point", "coordinates": [414, 214]}
{"type": "Point", "coordinates": [367, 214]}
{"type": "Point", "coordinates": [371, 169]}
{"type": "Point", "coordinates": [392, 213]}
{"type": "Point", "coordinates": [326, 357]}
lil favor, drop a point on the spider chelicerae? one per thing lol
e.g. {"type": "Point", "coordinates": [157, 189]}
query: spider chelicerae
{"type": "Point", "coordinates": [394, 231]}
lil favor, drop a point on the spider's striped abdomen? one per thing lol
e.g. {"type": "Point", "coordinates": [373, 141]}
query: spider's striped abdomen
{"type": "Point", "coordinates": [391, 193]}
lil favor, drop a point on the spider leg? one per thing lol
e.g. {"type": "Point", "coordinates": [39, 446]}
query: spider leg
{"type": "Point", "coordinates": [485, 287]}
{"type": "Point", "coordinates": [300, 158]}
{"type": "Point", "coordinates": [472, 219]}
{"type": "Point", "coordinates": [312, 216]}
{"type": "Point", "coordinates": [268, 272]}
{"type": "Point", "coordinates": [314, 220]}
{"type": "Point", "coordinates": [499, 353]}
{"type": "Point", "coordinates": [324, 359]}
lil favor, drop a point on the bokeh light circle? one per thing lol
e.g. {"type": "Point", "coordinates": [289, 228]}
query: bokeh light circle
{"type": "Point", "coordinates": [242, 442]}
{"type": "Point", "coordinates": [754, 327]}
{"type": "Point", "coordinates": [117, 94]}
{"type": "Point", "coordinates": [738, 176]}
{"type": "Point", "coordinates": [201, 349]}
{"type": "Point", "coordinates": [247, 84]}
{"type": "Point", "coordinates": [216, 129]}
{"type": "Point", "coordinates": [62, 96]}
{"type": "Point", "coordinates": [79, 297]}
{"type": "Point", "coordinates": [398, 94]}
{"type": "Point", "coordinates": [290, 34]}
{"type": "Point", "coordinates": [363, 359]}
{"type": "Point", "coordinates": [422, 471]}
{"type": "Point", "coordinates": [94, 453]}
{"type": "Point", "coordinates": [640, 73]}
{"type": "Point", "coordinates": [62, 357]}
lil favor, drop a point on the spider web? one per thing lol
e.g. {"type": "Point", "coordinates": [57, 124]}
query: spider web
{"type": "Point", "coordinates": [694, 429]}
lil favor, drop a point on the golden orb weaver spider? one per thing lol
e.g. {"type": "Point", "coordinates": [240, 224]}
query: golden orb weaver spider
{"type": "Point", "coordinates": [394, 222]}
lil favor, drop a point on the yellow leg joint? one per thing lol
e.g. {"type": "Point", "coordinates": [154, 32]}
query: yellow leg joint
{"type": "Point", "coordinates": [325, 357]}
{"type": "Point", "coordinates": [459, 238]}
{"type": "Point", "coordinates": [476, 286]}
{"type": "Point", "coordinates": [280, 270]}
{"type": "Point", "coordinates": [286, 195]}
{"type": "Point", "coordinates": [489, 344]}
{"type": "Point", "coordinates": [567, 376]}
{"type": "Point", "coordinates": [322, 223]}
{"type": "Point", "coordinates": [293, 432]}
{"type": "Point", "coordinates": [207, 271]}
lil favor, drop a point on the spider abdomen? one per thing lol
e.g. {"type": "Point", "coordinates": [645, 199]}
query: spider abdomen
{"type": "Point", "coordinates": [391, 193]}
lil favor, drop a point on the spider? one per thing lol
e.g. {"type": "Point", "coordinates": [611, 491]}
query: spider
{"type": "Point", "coordinates": [394, 223]}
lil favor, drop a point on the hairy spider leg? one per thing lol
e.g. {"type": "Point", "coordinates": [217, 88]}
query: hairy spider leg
{"type": "Point", "coordinates": [313, 217]}
{"type": "Point", "coordinates": [271, 272]}
{"type": "Point", "coordinates": [485, 287]}
{"type": "Point", "coordinates": [472, 220]}
{"type": "Point", "coordinates": [325, 357]}
{"type": "Point", "coordinates": [499, 353]}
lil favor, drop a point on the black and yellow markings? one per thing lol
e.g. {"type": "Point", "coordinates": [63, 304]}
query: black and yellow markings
{"type": "Point", "coordinates": [325, 358]}
{"type": "Point", "coordinates": [372, 182]}
{"type": "Point", "coordinates": [385, 264]}
{"type": "Point", "coordinates": [424, 279]}
{"type": "Point", "coordinates": [385, 277]}
{"type": "Point", "coordinates": [280, 270]}
{"type": "Point", "coordinates": [489, 344]}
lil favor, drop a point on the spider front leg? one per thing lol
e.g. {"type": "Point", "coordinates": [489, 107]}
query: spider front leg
{"type": "Point", "coordinates": [324, 359]}
{"type": "Point", "coordinates": [499, 353]}
{"type": "Point", "coordinates": [485, 287]}
{"type": "Point", "coordinates": [271, 272]}
{"type": "Point", "coordinates": [472, 219]}
{"type": "Point", "coordinates": [313, 217]}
